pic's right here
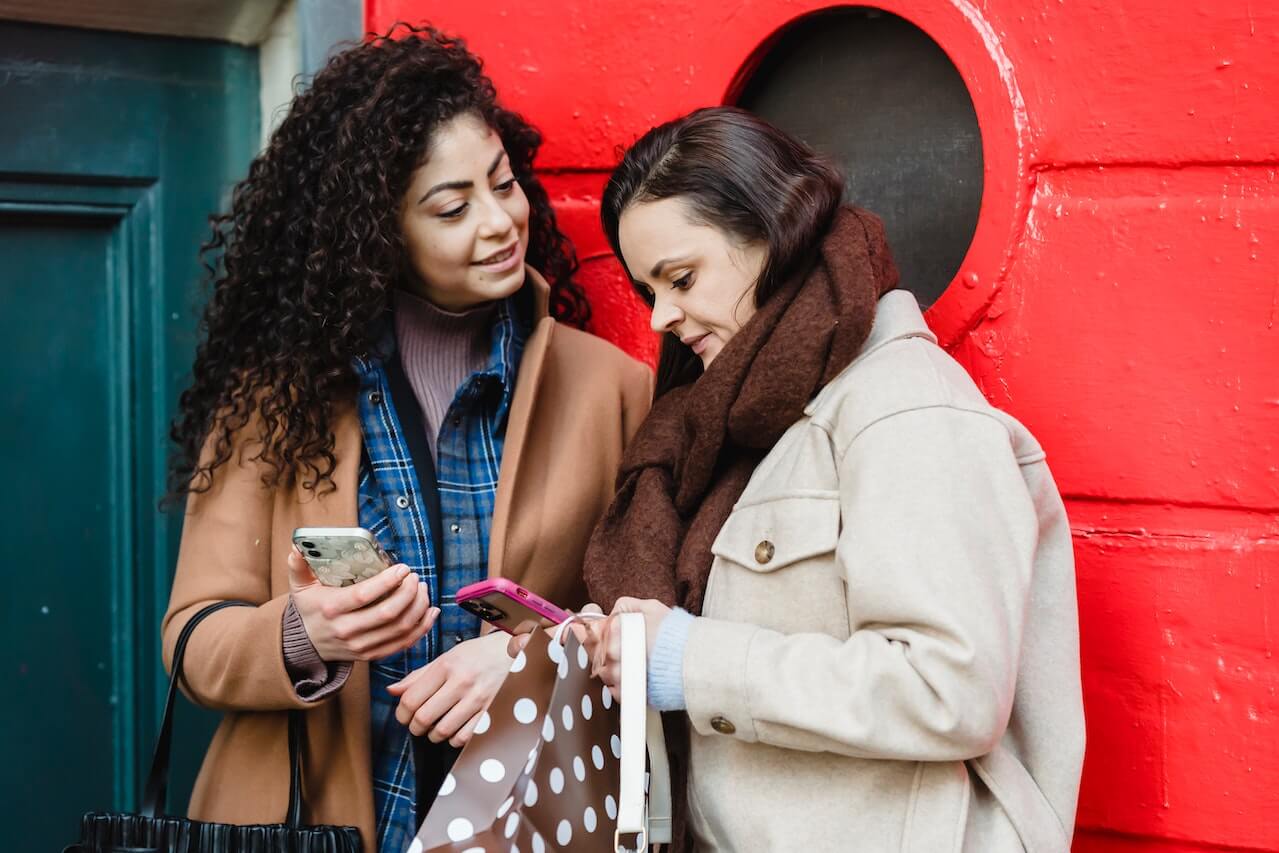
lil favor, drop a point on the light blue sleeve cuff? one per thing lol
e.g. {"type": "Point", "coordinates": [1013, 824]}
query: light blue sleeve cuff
{"type": "Point", "coordinates": [666, 662]}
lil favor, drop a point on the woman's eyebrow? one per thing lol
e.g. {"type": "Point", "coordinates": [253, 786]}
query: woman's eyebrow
{"type": "Point", "coordinates": [656, 271]}
{"type": "Point", "coordinates": [462, 185]}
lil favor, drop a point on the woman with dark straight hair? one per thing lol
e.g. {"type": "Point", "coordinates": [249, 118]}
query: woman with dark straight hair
{"type": "Point", "coordinates": [856, 573]}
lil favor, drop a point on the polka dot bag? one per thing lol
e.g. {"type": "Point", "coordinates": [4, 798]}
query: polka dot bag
{"type": "Point", "coordinates": [546, 769]}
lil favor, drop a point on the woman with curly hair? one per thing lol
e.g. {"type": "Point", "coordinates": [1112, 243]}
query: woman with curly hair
{"type": "Point", "coordinates": [382, 350]}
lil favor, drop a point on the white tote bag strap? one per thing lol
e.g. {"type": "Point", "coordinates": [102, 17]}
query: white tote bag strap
{"type": "Point", "coordinates": [647, 819]}
{"type": "Point", "coordinates": [659, 782]}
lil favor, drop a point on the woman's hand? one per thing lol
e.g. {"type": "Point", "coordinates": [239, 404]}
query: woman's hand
{"type": "Point", "coordinates": [445, 698]}
{"type": "Point", "coordinates": [365, 621]}
{"type": "Point", "coordinates": [604, 639]}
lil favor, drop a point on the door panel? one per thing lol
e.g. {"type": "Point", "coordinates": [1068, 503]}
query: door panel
{"type": "Point", "coordinates": [118, 149]}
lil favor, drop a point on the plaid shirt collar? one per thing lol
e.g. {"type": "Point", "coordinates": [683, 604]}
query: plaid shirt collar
{"type": "Point", "coordinates": [505, 349]}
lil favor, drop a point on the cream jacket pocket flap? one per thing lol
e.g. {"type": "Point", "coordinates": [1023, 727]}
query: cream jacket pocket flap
{"type": "Point", "coordinates": [771, 533]}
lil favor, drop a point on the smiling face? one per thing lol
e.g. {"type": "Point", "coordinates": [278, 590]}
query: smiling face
{"type": "Point", "coordinates": [700, 279]}
{"type": "Point", "coordinates": [465, 219]}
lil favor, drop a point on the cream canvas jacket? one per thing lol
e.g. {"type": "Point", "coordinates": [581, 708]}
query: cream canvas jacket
{"type": "Point", "coordinates": [888, 658]}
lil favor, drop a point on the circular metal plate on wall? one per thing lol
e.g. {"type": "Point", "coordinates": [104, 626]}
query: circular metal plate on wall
{"type": "Point", "coordinates": [876, 94]}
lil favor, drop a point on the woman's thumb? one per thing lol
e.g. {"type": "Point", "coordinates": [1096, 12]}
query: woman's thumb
{"type": "Point", "coordinates": [301, 575]}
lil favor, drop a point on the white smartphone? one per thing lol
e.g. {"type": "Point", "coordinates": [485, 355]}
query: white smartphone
{"type": "Point", "coordinates": [341, 556]}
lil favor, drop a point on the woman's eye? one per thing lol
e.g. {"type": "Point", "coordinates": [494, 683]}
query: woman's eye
{"type": "Point", "coordinates": [683, 282]}
{"type": "Point", "coordinates": [506, 186]}
{"type": "Point", "coordinates": [453, 212]}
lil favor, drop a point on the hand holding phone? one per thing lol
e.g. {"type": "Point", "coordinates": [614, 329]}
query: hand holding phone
{"type": "Point", "coordinates": [368, 620]}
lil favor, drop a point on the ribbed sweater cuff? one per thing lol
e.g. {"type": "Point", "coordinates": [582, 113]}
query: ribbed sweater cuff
{"type": "Point", "coordinates": [313, 678]}
{"type": "Point", "coordinates": [666, 662]}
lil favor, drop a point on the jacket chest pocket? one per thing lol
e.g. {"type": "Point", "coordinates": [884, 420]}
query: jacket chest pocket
{"type": "Point", "coordinates": [775, 565]}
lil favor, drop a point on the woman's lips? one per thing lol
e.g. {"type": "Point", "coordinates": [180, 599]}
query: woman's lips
{"type": "Point", "coordinates": [501, 261]}
{"type": "Point", "coordinates": [698, 344]}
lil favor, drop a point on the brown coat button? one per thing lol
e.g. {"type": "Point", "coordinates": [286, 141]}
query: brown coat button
{"type": "Point", "coordinates": [764, 551]}
{"type": "Point", "coordinates": [722, 726]}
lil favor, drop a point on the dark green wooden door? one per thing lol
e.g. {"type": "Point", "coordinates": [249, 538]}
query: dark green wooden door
{"type": "Point", "coordinates": [113, 151]}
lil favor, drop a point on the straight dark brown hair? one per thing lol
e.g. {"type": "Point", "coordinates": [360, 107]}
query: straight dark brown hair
{"type": "Point", "coordinates": [739, 174]}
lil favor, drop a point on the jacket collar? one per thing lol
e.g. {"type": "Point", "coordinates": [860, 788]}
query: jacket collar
{"type": "Point", "coordinates": [897, 317]}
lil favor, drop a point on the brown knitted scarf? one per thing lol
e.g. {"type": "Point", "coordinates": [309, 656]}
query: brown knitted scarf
{"type": "Point", "coordinates": [695, 452]}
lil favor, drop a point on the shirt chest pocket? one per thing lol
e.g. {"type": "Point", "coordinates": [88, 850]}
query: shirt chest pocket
{"type": "Point", "coordinates": [775, 565]}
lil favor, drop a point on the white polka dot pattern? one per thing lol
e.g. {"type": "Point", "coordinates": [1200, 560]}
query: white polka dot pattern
{"type": "Point", "coordinates": [492, 770]}
{"type": "Point", "coordinates": [525, 711]}
{"type": "Point", "coordinates": [540, 772]}
{"type": "Point", "coordinates": [460, 829]}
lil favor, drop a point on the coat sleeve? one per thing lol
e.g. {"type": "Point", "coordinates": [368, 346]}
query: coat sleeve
{"type": "Point", "coordinates": [235, 658]}
{"type": "Point", "coordinates": [936, 548]}
{"type": "Point", "coordinates": [637, 398]}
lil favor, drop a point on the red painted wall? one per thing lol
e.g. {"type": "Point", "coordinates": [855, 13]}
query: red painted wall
{"type": "Point", "coordinates": [1121, 297]}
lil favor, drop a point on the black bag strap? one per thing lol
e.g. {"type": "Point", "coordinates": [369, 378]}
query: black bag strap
{"type": "Point", "coordinates": [156, 791]}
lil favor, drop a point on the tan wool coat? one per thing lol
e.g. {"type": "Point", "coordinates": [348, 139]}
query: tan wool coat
{"type": "Point", "coordinates": [888, 658]}
{"type": "Point", "coordinates": [577, 402]}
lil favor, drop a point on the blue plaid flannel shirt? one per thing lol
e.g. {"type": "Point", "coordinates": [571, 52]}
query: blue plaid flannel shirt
{"type": "Point", "coordinates": [468, 457]}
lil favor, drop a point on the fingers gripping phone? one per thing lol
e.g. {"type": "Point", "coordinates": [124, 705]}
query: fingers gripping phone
{"type": "Point", "coordinates": [341, 556]}
{"type": "Point", "coordinates": [509, 606]}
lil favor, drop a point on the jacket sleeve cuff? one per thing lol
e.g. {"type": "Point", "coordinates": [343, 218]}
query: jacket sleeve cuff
{"type": "Point", "coordinates": [313, 678]}
{"type": "Point", "coordinates": [666, 662]}
{"type": "Point", "coordinates": [715, 678]}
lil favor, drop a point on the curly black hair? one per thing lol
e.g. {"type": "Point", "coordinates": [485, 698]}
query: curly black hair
{"type": "Point", "coordinates": [302, 265]}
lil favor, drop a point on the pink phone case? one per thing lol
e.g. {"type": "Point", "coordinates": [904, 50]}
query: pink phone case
{"type": "Point", "coordinates": [509, 606]}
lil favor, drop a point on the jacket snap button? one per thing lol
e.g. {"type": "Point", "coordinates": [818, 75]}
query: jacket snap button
{"type": "Point", "coordinates": [375, 397]}
{"type": "Point", "coordinates": [722, 726]}
{"type": "Point", "coordinates": [764, 551]}
{"type": "Point", "coordinates": [402, 502]}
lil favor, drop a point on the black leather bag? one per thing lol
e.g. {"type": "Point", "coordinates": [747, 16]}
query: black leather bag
{"type": "Point", "coordinates": [152, 831]}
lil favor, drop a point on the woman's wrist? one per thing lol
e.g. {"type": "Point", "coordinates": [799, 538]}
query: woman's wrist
{"type": "Point", "coordinates": [666, 662]}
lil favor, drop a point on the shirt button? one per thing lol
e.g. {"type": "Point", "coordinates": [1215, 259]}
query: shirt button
{"type": "Point", "coordinates": [723, 726]}
{"type": "Point", "coordinates": [764, 551]}
{"type": "Point", "coordinates": [456, 528]}
{"type": "Point", "coordinates": [457, 420]}
{"type": "Point", "coordinates": [402, 502]}
{"type": "Point", "coordinates": [458, 639]}
{"type": "Point", "coordinates": [375, 397]}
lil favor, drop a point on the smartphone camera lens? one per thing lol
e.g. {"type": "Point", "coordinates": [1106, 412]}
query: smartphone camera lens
{"type": "Point", "coordinates": [314, 553]}
{"type": "Point", "coordinates": [307, 544]}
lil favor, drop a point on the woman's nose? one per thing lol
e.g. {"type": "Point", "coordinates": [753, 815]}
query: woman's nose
{"type": "Point", "coordinates": [666, 316]}
{"type": "Point", "coordinates": [496, 221]}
